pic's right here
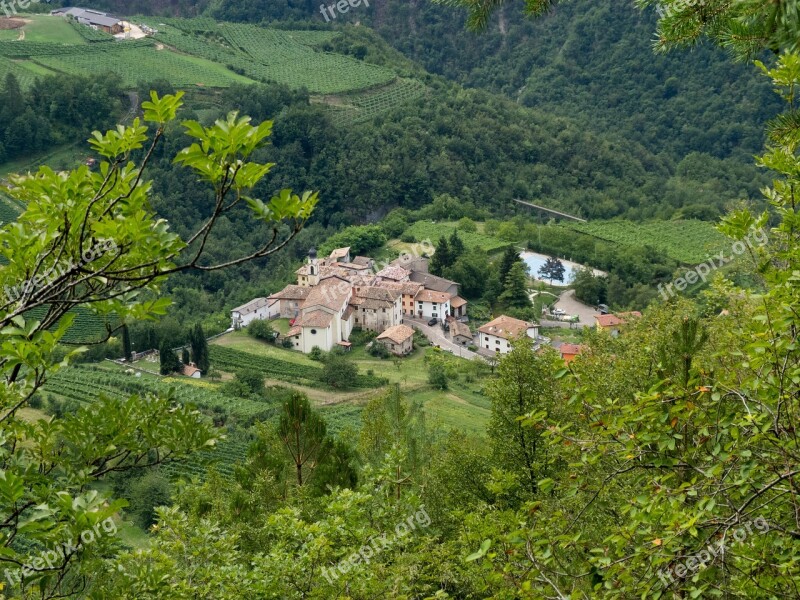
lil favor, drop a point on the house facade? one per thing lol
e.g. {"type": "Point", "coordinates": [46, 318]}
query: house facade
{"type": "Point", "coordinates": [497, 335]}
{"type": "Point", "coordinates": [260, 308]}
{"type": "Point", "coordinates": [399, 340]}
{"type": "Point", "coordinates": [377, 308]}
{"type": "Point", "coordinates": [429, 304]}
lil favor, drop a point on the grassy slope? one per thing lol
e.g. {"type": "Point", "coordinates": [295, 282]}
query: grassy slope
{"type": "Point", "coordinates": [462, 407]}
{"type": "Point", "coordinates": [44, 28]}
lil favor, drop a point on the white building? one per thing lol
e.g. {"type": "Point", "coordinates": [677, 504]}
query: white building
{"type": "Point", "coordinates": [260, 308]}
{"type": "Point", "coordinates": [429, 304]}
{"type": "Point", "coordinates": [496, 336]}
{"type": "Point", "coordinates": [326, 318]}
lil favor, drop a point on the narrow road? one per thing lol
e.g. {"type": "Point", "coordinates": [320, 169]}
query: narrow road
{"type": "Point", "coordinates": [438, 337]}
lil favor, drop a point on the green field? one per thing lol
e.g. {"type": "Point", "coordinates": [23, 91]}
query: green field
{"type": "Point", "coordinates": [428, 230]}
{"type": "Point", "coordinates": [44, 28]}
{"type": "Point", "coordinates": [689, 242]}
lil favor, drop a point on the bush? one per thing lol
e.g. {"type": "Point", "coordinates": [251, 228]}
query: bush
{"type": "Point", "coordinates": [420, 340]}
{"type": "Point", "coordinates": [339, 372]}
{"type": "Point", "coordinates": [145, 495]}
{"type": "Point", "coordinates": [35, 401]}
{"type": "Point", "coordinates": [408, 238]}
{"type": "Point", "coordinates": [316, 354]}
{"type": "Point", "coordinates": [287, 343]}
{"type": "Point", "coordinates": [261, 329]}
{"type": "Point", "coordinates": [378, 350]}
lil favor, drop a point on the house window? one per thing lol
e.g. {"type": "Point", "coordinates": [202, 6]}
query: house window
{"type": "Point", "coordinates": [497, 342]}
{"type": "Point", "coordinates": [434, 315]}
{"type": "Point", "coordinates": [313, 332]}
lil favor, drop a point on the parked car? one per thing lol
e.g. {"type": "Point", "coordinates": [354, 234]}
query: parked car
{"type": "Point", "coordinates": [433, 321]}
{"type": "Point", "coordinates": [603, 308]}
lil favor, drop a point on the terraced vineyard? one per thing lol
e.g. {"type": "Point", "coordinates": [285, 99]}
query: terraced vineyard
{"type": "Point", "coordinates": [223, 459]}
{"type": "Point", "coordinates": [200, 52]}
{"type": "Point", "coordinates": [231, 360]}
{"type": "Point", "coordinates": [9, 209]}
{"type": "Point", "coordinates": [150, 64]}
{"type": "Point", "coordinates": [689, 242]}
{"type": "Point", "coordinates": [356, 108]}
{"type": "Point", "coordinates": [87, 383]}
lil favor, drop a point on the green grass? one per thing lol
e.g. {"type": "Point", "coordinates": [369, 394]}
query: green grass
{"type": "Point", "coordinates": [689, 242]}
{"type": "Point", "coordinates": [45, 28]}
{"type": "Point", "coordinates": [428, 230]}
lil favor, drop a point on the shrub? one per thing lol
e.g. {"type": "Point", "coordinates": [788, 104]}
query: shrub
{"type": "Point", "coordinates": [145, 495]}
{"type": "Point", "coordinates": [378, 350]}
{"type": "Point", "coordinates": [261, 329]}
{"type": "Point", "coordinates": [408, 238]}
{"type": "Point", "coordinates": [339, 372]}
{"type": "Point", "coordinates": [316, 353]}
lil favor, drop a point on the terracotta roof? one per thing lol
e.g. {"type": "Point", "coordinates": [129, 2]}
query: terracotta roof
{"type": "Point", "coordinates": [459, 328]}
{"type": "Point", "coordinates": [506, 327]}
{"type": "Point", "coordinates": [409, 288]}
{"type": "Point", "coordinates": [292, 292]}
{"type": "Point", "coordinates": [315, 318]}
{"type": "Point", "coordinates": [294, 331]}
{"type": "Point", "coordinates": [394, 272]}
{"type": "Point", "coordinates": [398, 334]}
{"type": "Point", "coordinates": [190, 370]}
{"type": "Point", "coordinates": [254, 305]}
{"type": "Point", "coordinates": [571, 349]}
{"type": "Point", "coordinates": [347, 313]}
{"type": "Point", "coordinates": [340, 253]}
{"type": "Point", "coordinates": [457, 301]}
{"type": "Point", "coordinates": [352, 266]}
{"type": "Point", "coordinates": [432, 282]}
{"type": "Point", "coordinates": [331, 293]}
{"type": "Point", "coordinates": [431, 296]}
{"type": "Point", "coordinates": [614, 320]}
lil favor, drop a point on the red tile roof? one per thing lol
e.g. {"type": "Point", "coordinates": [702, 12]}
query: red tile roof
{"type": "Point", "coordinates": [614, 320]}
{"type": "Point", "coordinates": [431, 296]}
{"type": "Point", "coordinates": [506, 327]}
{"type": "Point", "coordinates": [397, 334]}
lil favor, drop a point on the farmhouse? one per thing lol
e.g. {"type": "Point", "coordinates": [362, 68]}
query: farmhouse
{"type": "Point", "coordinates": [191, 370]}
{"type": "Point", "coordinates": [613, 324]}
{"type": "Point", "coordinates": [92, 18]}
{"type": "Point", "coordinates": [324, 319]}
{"type": "Point", "coordinates": [260, 308]}
{"type": "Point", "coordinates": [398, 339]}
{"type": "Point", "coordinates": [496, 336]}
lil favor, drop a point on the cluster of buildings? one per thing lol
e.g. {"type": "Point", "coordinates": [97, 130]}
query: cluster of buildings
{"type": "Point", "coordinates": [338, 293]}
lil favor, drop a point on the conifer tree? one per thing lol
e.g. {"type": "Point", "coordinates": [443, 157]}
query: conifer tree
{"type": "Point", "coordinates": [441, 258]}
{"type": "Point", "coordinates": [516, 288]}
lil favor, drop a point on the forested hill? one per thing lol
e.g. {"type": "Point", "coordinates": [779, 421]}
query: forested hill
{"type": "Point", "coordinates": [591, 60]}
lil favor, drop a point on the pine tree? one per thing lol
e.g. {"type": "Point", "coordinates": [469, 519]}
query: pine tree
{"type": "Point", "coordinates": [457, 248]}
{"type": "Point", "coordinates": [199, 345]}
{"type": "Point", "coordinates": [126, 344]}
{"type": "Point", "coordinates": [168, 359]}
{"type": "Point", "coordinates": [516, 288]}
{"type": "Point", "coordinates": [510, 258]}
{"type": "Point", "coordinates": [441, 258]}
{"type": "Point", "coordinates": [304, 435]}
